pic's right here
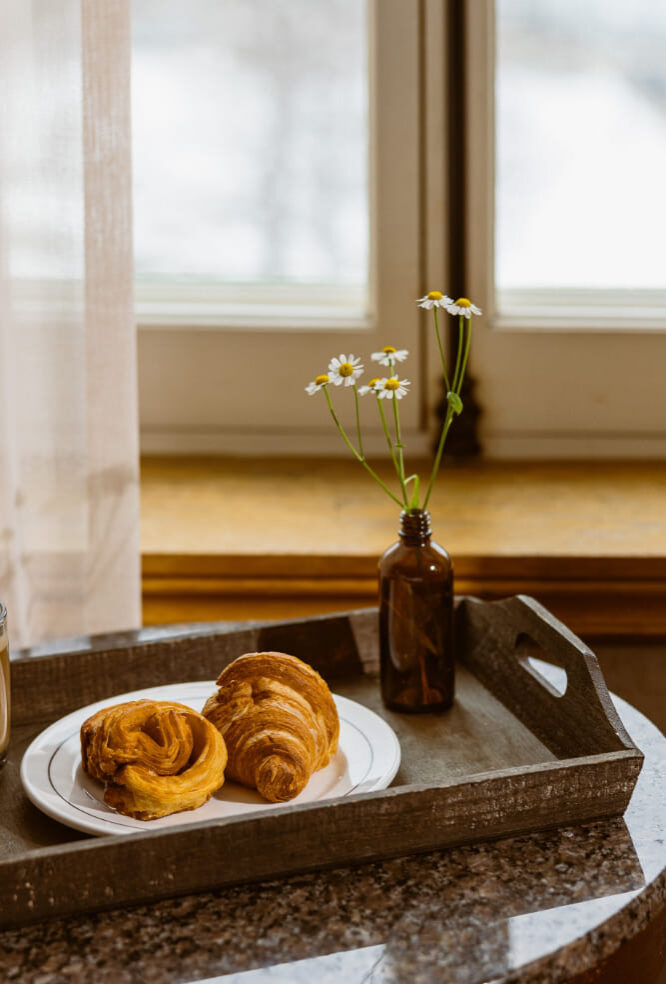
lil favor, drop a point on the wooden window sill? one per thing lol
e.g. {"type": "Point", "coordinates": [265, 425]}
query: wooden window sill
{"type": "Point", "coordinates": [240, 538]}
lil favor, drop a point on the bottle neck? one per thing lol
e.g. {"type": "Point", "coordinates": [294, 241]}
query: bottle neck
{"type": "Point", "coordinates": [415, 528]}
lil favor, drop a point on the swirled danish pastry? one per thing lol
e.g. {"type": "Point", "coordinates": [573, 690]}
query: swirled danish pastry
{"type": "Point", "coordinates": [278, 720]}
{"type": "Point", "coordinates": [156, 757]}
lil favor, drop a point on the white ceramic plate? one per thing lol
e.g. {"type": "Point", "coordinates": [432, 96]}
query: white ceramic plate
{"type": "Point", "coordinates": [367, 759]}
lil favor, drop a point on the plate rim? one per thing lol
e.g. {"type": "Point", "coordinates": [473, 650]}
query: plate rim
{"type": "Point", "coordinates": [55, 733]}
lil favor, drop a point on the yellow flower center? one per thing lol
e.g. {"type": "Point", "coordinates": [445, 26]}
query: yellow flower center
{"type": "Point", "coordinates": [346, 369]}
{"type": "Point", "coordinates": [435, 295]}
{"type": "Point", "coordinates": [320, 380]}
{"type": "Point", "coordinates": [392, 384]}
{"type": "Point", "coordinates": [463, 302]}
{"type": "Point", "coordinates": [389, 350]}
{"type": "Point", "coordinates": [373, 382]}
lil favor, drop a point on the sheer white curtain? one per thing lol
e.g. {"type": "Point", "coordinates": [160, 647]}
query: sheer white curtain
{"type": "Point", "coordinates": [69, 550]}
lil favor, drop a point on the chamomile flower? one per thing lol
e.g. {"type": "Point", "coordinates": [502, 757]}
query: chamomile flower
{"type": "Point", "coordinates": [318, 383]}
{"type": "Point", "coordinates": [434, 299]}
{"type": "Point", "coordinates": [345, 370]}
{"type": "Point", "coordinates": [394, 389]}
{"type": "Point", "coordinates": [374, 386]}
{"type": "Point", "coordinates": [389, 355]}
{"type": "Point", "coordinates": [462, 306]}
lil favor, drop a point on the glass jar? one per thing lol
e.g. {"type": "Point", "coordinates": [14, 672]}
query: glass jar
{"type": "Point", "coordinates": [5, 707]}
{"type": "Point", "coordinates": [416, 620]}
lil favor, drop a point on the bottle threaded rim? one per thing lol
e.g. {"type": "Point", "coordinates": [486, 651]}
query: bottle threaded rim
{"type": "Point", "coordinates": [415, 524]}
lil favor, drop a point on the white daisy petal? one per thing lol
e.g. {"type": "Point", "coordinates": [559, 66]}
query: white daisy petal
{"type": "Point", "coordinates": [463, 307]}
{"type": "Point", "coordinates": [317, 384]}
{"type": "Point", "coordinates": [434, 299]}
{"type": "Point", "coordinates": [394, 389]}
{"type": "Point", "coordinates": [345, 370]}
{"type": "Point", "coordinates": [389, 355]}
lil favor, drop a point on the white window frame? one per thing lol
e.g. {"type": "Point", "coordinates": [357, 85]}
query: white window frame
{"type": "Point", "coordinates": [559, 376]}
{"type": "Point", "coordinates": [201, 352]}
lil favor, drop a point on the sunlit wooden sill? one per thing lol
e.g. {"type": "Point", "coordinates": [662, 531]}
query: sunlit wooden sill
{"type": "Point", "coordinates": [246, 538]}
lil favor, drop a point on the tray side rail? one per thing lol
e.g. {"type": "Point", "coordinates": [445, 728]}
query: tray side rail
{"type": "Point", "coordinates": [493, 640]}
{"type": "Point", "coordinates": [45, 688]}
{"type": "Point", "coordinates": [113, 871]}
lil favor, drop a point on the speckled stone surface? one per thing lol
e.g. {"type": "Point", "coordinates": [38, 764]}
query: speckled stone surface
{"type": "Point", "coordinates": [537, 909]}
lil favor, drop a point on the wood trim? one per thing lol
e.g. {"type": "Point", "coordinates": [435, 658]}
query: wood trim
{"type": "Point", "coordinates": [475, 567]}
{"type": "Point", "coordinates": [590, 606]}
{"type": "Point", "coordinates": [232, 538]}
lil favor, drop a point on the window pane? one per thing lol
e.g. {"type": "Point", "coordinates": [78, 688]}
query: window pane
{"type": "Point", "coordinates": [250, 141]}
{"type": "Point", "coordinates": [581, 143]}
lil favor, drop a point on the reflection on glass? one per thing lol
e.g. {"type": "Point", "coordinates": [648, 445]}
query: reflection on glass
{"type": "Point", "coordinates": [352, 965]}
{"type": "Point", "coordinates": [250, 136]}
{"type": "Point", "coordinates": [581, 143]}
{"type": "Point", "coordinates": [530, 932]}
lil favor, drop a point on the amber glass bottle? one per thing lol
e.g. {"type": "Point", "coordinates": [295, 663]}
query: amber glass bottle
{"type": "Point", "coordinates": [416, 620]}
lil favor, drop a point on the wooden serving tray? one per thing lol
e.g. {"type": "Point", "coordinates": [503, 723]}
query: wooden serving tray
{"type": "Point", "coordinates": [511, 756]}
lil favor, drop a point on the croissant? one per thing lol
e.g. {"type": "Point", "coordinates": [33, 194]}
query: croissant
{"type": "Point", "coordinates": [156, 757]}
{"type": "Point", "coordinates": [279, 722]}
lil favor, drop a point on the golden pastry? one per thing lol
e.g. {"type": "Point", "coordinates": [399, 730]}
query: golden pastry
{"type": "Point", "coordinates": [155, 756]}
{"type": "Point", "coordinates": [278, 720]}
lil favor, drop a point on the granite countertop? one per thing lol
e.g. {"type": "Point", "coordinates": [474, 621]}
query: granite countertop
{"type": "Point", "coordinates": [535, 908]}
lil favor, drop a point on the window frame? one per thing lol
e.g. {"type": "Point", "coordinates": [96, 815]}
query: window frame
{"type": "Point", "coordinates": [555, 380]}
{"type": "Point", "coordinates": [408, 186]}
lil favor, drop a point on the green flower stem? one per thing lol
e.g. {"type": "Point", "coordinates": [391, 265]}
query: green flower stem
{"type": "Point", "coordinates": [358, 423]}
{"type": "Point", "coordinates": [441, 351]}
{"type": "Point", "coordinates": [353, 450]}
{"type": "Point", "coordinates": [400, 446]}
{"type": "Point", "coordinates": [466, 355]}
{"type": "Point", "coordinates": [438, 456]}
{"type": "Point", "coordinates": [380, 407]}
{"type": "Point", "coordinates": [456, 381]}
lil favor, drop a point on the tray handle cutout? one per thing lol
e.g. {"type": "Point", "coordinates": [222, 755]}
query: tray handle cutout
{"type": "Point", "coordinates": [532, 658]}
{"type": "Point", "coordinates": [499, 639]}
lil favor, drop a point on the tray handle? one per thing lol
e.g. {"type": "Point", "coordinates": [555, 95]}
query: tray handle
{"type": "Point", "coordinates": [496, 638]}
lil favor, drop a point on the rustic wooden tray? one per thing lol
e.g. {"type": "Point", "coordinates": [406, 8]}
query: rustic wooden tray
{"type": "Point", "coordinates": [512, 755]}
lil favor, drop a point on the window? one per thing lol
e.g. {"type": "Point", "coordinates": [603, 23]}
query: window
{"type": "Point", "coordinates": [580, 103]}
{"type": "Point", "coordinates": [251, 147]}
{"type": "Point", "coordinates": [566, 146]}
{"type": "Point", "coordinates": [279, 195]}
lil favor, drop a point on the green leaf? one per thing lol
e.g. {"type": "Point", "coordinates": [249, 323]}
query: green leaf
{"type": "Point", "coordinates": [454, 402]}
{"type": "Point", "coordinates": [414, 502]}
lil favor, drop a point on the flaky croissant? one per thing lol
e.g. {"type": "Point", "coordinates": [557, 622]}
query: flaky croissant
{"type": "Point", "coordinates": [156, 757]}
{"type": "Point", "coordinates": [278, 720]}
